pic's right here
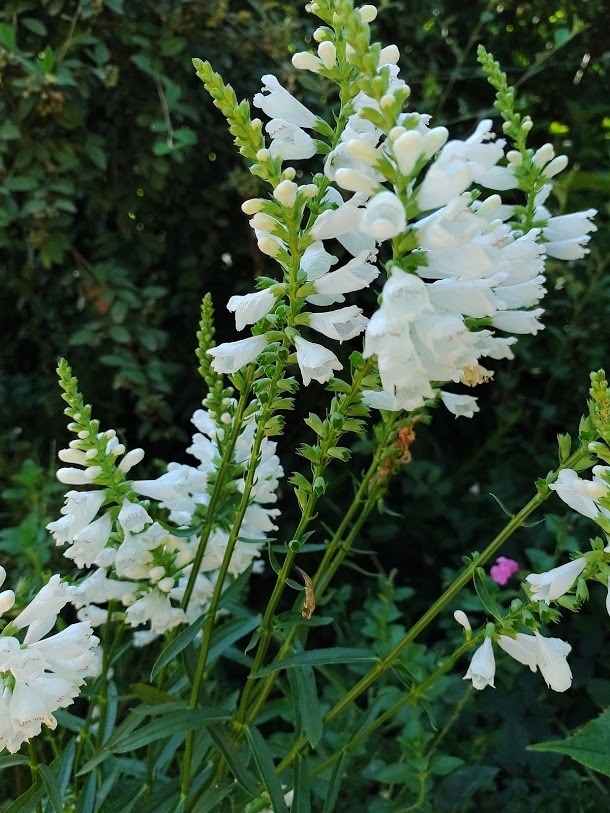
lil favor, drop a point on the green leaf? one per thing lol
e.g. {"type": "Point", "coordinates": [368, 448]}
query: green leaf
{"type": "Point", "coordinates": [209, 802]}
{"type": "Point", "coordinates": [28, 802]}
{"type": "Point", "coordinates": [481, 585]}
{"type": "Point", "coordinates": [317, 657]}
{"type": "Point", "coordinates": [234, 759]}
{"type": "Point", "coordinates": [308, 709]}
{"type": "Point", "coordinates": [228, 634]}
{"type": "Point", "coordinates": [177, 722]}
{"type": "Point", "coordinates": [315, 423]}
{"type": "Point", "coordinates": [34, 25]}
{"type": "Point", "coordinates": [264, 763]}
{"type": "Point", "coordinates": [302, 790]}
{"type": "Point", "coordinates": [52, 787]}
{"type": "Point", "coordinates": [179, 643]}
{"type": "Point", "coordinates": [10, 760]}
{"type": "Point", "coordinates": [21, 183]}
{"type": "Point", "coordinates": [87, 796]}
{"type": "Point", "coordinates": [335, 783]}
{"type": "Point", "coordinates": [7, 36]}
{"type": "Point", "coordinates": [589, 745]}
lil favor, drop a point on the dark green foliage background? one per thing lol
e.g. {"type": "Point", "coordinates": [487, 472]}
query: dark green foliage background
{"type": "Point", "coordinates": [120, 194]}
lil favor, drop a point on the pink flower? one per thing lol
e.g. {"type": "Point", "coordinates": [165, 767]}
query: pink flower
{"type": "Point", "coordinates": [503, 570]}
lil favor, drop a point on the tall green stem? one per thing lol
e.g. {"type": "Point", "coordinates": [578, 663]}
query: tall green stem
{"type": "Point", "coordinates": [223, 470]}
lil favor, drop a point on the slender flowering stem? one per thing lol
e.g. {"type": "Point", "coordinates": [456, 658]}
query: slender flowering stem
{"type": "Point", "coordinates": [208, 629]}
{"type": "Point", "coordinates": [223, 471]}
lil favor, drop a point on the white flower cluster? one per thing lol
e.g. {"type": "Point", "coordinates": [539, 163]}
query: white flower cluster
{"type": "Point", "coordinates": [136, 560]}
{"type": "Point", "coordinates": [547, 654]}
{"type": "Point", "coordinates": [468, 260]}
{"type": "Point", "coordinates": [39, 675]}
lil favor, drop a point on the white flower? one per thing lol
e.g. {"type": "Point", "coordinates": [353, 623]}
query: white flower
{"type": "Point", "coordinates": [460, 163]}
{"type": "Point", "coordinates": [79, 509]}
{"type": "Point", "coordinates": [342, 324]}
{"type": "Point", "coordinates": [133, 517]}
{"type": "Point", "coordinates": [522, 648]}
{"type": "Point", "coordinates": [579, 494]}
{"type": "Point", "coordinates": [519, 321]}
{"type": "Point", "coordinates": [384, 216]}
{"type": "Point", "coordinates": [551, 660]}
{"type": "Point", "coordinates": [43, 675]}
{"type": "Point", "coordinates": [250, 308]}
{"type": "Point", "coordinates": [337, 222]}
{"type": "Point", "coordinates": [155, 607]}
{"type": "Point", "coordinates": [482, 666]}
{"type": "Point", "coordinates": [232, 356]}
{"type": "Point", "coordinates": [289, 142]}
{"type": "Point", "coordinates": [41, 613]}
{"type": "Point", "coordinates": [462, 619]}
{"type": "Point", "coordinates": [460, 405]}
{"type": "Point", "coordinates": [90, 541]}
{"type": "Point", "coordinates": [316, 362]}
{"type": "Point", "coordinates": [554, 583]}
{"type": "Point", "coordinates": [358, 273]}
{"type": "Point", "coordinates": [278, 103]}
{"type": "Point", "coordinates": [470, 297]}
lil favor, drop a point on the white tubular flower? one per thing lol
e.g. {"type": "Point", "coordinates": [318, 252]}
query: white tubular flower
{"type": "Point", "coordinates": [232, 356]}
{"type": "Point", "coordinates": [407, 148]}
{"type": "Point", "coordinates": [73, 477]}
{"type": "Point", "coordinates": [155, 607]}
{"type": "Point", "coordinates": [250, 308]}
{"type": "Point", "coordinates": [306, 61]}
{"type": "Point", "coordinates": [460, 163]}
{"type": "Point", "coordinates": [551, 660]}
{"type": "Point", "coordinates": [278, 103]}
{"type": "Point", "coordinates": [286, 193]}
{"type": "Point", "coordinates": [133, 517]}
{"type": "Point", "coordinates": [462, 619]}
{"type": "Point", "coordinates": [482, 666]}
{"type": "Point", "coordinates": [522, 648]}
{"type": "Point", "coordinates": [342, 324]}
{"type": "Point", "coordinates": [524, 295]}
{"type": "Point", "coordinates": [355, 181]}
{"type": "Point", "coordinates": [519, 321]}
{"type": "Point", "coordinates": [554, 583]}
{"type": "Point", "coordinates": [41, 613]}
{"type": "Point", "coordinates": [44, 676]}
{"type": "Point", "coordinates": [460, 405]}
{"type": "Point", "coordinates": [79, 509]}
{"type": "Point", "coordinates": [131, 459]}
{"type": "Point", "coordinates": [169, 486]}
{"type": "Point", "coordinates": [566, 236]}
{"type": "Point", "coordinates": [579, 494]}
{"type": "Point", "coordinates": [358, 273]}
{"type": "Point", "coordinates": [384, 216]}
{"type": "Point", "coordinates": [470, 297]}
{"type": "Point", "coordinates": [316, 362]}
{"type": "Point", "coordinates": [316, 261]}
{"type": "Point", "coordinates": [289, 142]}
{"type": "Point", "coordinates": [336, 222]}
{"type": "Point", "coordinates": [90, 541]}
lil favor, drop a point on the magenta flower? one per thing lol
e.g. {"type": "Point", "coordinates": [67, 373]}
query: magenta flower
{"type": "Point", "coordinates": [503, 570]}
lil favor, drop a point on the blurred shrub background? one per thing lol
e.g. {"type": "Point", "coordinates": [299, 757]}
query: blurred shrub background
{"type": "Point", "coordinates": [120, 199]}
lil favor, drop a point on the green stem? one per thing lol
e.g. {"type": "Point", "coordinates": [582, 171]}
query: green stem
{"type": "Point", "coordinates": [223, 470]}
{"type": "Point", "coordinates": [450, 593]}
{"type": "Point", "coordinates": [224, 568]}
{"type": "Point", "coordinates": [330, 440]}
